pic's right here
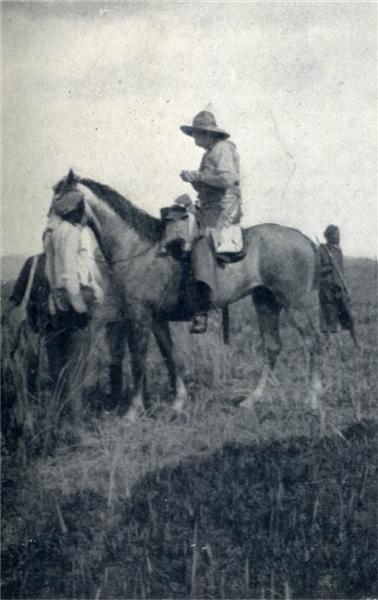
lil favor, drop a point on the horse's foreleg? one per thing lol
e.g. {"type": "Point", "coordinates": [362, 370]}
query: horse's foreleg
{"type": "Point", "coordinates": [116, 336]}
{"type": "Point", "coordinates": [164, 341]}
{"type": "Point", "coordinates": [139, 330]}
{"type": "Point", "coordinates": [268, 314]}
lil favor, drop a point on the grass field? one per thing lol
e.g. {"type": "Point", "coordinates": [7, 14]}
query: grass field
{"type": "Point", "coordinates": [277, 502]}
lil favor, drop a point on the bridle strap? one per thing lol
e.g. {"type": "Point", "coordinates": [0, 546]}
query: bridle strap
{"type": "Point", "coordinates": [114, 262]}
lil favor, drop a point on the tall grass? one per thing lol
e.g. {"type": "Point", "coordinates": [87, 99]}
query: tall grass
{"type": "Point", "coordinates": [277, 502]}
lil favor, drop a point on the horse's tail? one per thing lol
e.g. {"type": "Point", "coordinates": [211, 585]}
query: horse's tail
{"type": "Point", "coordinates": [226, 324]}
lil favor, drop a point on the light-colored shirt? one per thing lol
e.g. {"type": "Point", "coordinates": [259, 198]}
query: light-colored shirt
{"type": "Point", "coordinates": [220, 166]}
{"type": "Point", "coordinates": [218, 185]}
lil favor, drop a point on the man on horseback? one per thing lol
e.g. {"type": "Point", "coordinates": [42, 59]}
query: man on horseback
{"type": "Point", "coordinates": [278, 271]}
{"type": "Point", "coordinates": [217, 183]}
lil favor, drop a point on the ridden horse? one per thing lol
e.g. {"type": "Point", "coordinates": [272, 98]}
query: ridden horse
{"type": "Point", "coordinates": [278, 272]}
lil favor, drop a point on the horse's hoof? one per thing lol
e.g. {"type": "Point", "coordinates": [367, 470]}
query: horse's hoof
{"type": "Point", "coordinates": [179, 405]}
{"type": "Point", "coordinates": [314, 394]}
{"type": "Point", "coordinates": [248, 404]}
{"type": "Point", "coordinates": [134, 414]}
{"type": "Point", "coordinates": [180, 417]}
{"type": "Point", "coordinates": [313, 400]}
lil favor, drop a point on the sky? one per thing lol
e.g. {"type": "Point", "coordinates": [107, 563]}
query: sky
{"type": "Point", "coordinates": [103, 87]}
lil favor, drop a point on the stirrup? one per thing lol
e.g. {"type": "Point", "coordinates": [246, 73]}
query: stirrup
{"type": "Point", "coordinates": [199, 324]}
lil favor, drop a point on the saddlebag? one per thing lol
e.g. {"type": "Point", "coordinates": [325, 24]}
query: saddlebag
{"type": "Point", "coordinates": [180, 227]}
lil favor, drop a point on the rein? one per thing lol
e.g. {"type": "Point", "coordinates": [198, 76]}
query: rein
{"type": "Point", "coordinates": [95, 229]}
{"type": "Point", "coordinates": [114, 262]}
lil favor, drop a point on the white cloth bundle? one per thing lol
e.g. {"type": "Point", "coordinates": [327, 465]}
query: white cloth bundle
{"type": "Point", "coordinates": [70, 264]}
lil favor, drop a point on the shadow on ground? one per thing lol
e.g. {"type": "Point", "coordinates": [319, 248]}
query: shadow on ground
{"type": "Point", "coordinates": [294, 519]}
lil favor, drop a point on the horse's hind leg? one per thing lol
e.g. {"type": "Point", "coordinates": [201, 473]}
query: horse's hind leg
{"type": "Point", "coordinates": [303, 323]}
{"type": "Point", "coordinates": [268, 314]}
{"type": "Point", "coordinates": [164, 341]}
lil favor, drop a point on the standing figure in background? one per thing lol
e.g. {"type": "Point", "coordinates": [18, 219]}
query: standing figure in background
{"type": "Point", "coordinates": [36, 309]}
{"type": "Point", "coordinates": [217, 183]}
{"type": "Point", "coordinates": [334, 299]}
{"type": "Point", "coordinates": [77, 273]}
{"type": "Point", "coordinates": [28, 309]}
{"type": "Point", "coordinates": [75, 292]}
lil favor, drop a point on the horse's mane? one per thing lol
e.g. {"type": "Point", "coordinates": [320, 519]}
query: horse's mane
{"type": "Point", "coordinates": [144, 224]}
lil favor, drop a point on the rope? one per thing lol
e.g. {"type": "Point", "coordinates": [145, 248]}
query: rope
{"type": "Point", "coordinates": [129, 258]}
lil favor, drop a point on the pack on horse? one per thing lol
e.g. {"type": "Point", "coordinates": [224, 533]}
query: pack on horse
{"type": "Point", "coordinates": [278, 272]}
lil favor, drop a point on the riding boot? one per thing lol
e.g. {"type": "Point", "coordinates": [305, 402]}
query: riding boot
{"type": "Point", "coordinates": [199, 323]}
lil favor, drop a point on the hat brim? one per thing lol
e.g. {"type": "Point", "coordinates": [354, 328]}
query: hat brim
{"type": "Point", "coordinates": [189, 130]}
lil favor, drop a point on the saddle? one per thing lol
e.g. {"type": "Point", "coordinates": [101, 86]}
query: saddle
{"type": "Point", "coordinates": [182, 230]}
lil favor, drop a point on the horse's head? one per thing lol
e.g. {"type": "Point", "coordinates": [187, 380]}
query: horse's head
{"type": "Point", "coordinates": [62, 189]}
{"type": "Point", "coordinates": [66, 184]}
{"type": "Point", "coordinates": [68, 197]}
{"type": "Point", "coordinates": [73, 252]}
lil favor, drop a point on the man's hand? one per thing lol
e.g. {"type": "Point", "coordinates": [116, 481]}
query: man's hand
{"type": "Point", "coordinates": [190, 176]}
{"type": "Point", "coordinates": [5, 318]}
{"type": "Point", "coordinates": [13, 317]}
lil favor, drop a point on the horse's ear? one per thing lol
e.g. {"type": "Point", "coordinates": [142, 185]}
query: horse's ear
{"type": "Point", "coordinates": [70, 177]}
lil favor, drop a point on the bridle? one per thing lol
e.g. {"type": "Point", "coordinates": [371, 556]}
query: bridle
{"type": "Point", "coordinates": [95, 227]}
{"type": "Point", "coordinates": [110, 262]}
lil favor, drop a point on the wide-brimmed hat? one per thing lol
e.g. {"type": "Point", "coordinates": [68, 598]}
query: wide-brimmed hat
{"type": "Point", "coordinates": [204, 121]}
{"type": "Point", "coordinates": [67, 203]}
